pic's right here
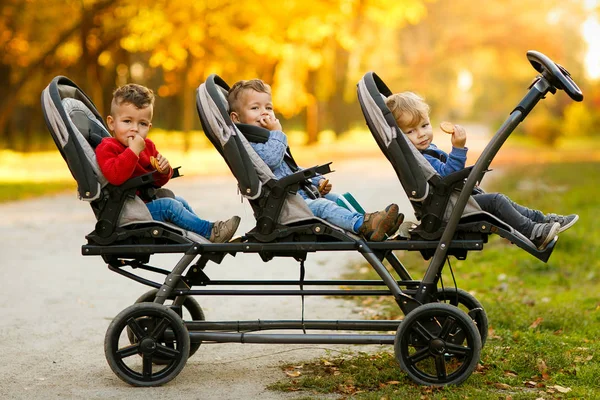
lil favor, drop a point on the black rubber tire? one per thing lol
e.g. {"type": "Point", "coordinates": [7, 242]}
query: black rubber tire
{"type": "Point", "coordinates": [437, 345]}
{"type": "Point", "coordinates": [459, 297]}
{"type": "Point", "coordinates": [148, 322]}
{"type": "Point", "coordinates": [190, 304]}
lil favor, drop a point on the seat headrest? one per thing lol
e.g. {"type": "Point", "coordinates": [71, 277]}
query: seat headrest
{"type": "Point", "coordinates": [86, 122]}
{"type": "Point", "coordinates": [223, 97]}
{"type": "Point", "coordinates": [253, 133]}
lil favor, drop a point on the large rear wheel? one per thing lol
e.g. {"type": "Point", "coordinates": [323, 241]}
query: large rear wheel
{"type": "Point", "coordinates": [469, 304]}
{"type": "Point", "coordinates": [437, 345]}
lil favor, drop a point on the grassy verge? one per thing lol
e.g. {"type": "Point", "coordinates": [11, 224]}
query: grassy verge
{"type": "Point", "coordinates": [544, 318]}
{"type": "Point", "coordinates": [12, 191]}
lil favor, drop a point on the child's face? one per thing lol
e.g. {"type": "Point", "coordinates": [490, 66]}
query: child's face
{"type": "Point", "coordinates": [420, 134]}
{"type": "Point", "coordinates": [128, 121]}
{"type": "Point", "coordinates": [252, 107]}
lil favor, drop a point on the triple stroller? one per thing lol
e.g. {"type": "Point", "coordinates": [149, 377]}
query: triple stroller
{"type": "Point", "coordinates": [149, 342]}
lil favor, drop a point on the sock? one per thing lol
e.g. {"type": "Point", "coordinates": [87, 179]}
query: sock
{"type": "Point", "coordinates": [358, 223]}
{"type": "Point", "coordinates": [210, 227]}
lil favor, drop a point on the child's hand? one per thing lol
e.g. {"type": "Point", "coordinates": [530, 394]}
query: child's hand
{"type": "Point", "coordinates": [270, 122]}
{"type": "Point", "coordinates": [163, 164]}
{"type": "Point", "coordinates": [324, 186]}
{"type": "Point", "coordinates": [137, 144]}
{"type": "Point", "coordinates": [459, 137]}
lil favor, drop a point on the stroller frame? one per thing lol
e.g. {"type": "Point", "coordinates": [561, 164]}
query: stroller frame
{"type": "Point", "coordinates": [431, 330]}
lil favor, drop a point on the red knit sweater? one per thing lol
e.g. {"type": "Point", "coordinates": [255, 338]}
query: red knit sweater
{"type": "Point", "coordinates": [119, 163]}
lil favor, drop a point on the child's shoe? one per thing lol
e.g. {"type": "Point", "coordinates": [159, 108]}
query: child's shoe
{"type": "Point", "coordinates": [223, 231]}
{"type": "Point", "coordinates": [542, 234]}
{"type": "Point", "coordinates": [377, 224]}
{"type": "Point", "coordinates": [396, 225]}
{"type": "Point", "coordinates": [565, 221]}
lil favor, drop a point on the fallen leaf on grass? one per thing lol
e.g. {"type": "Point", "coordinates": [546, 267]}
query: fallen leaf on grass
{"type": "Point", "coordinates": [348, 389]}
{"type": "Point", "coordinates": [581, 359]}
{"type": "Point", "coordinates": [543, 368]}
{"type": "Point", "coordinates": [293, 374]}
{"type": "Point", "coordinates": [492, 334]}
{"type": "Point", "coordinates": [536, 323]}
{"type": "Point", "coordinates": [560, 389]}
{"type": "Point", "coordinates": [502, 386]}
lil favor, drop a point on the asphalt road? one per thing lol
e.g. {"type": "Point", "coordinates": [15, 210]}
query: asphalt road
{"type": "Point", "coordinates": [57, 304]}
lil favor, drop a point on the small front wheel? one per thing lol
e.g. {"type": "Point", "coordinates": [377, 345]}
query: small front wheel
{"type": "Point", "coordinates": [437, 345]}
{"type": "Point", "coordinates": [152, 325]}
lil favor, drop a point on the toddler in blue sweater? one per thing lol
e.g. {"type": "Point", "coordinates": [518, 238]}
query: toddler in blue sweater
{"type": "Point", "coordinates": [250, 103]}
{"type": "Point", "coordinates": [411, 113]}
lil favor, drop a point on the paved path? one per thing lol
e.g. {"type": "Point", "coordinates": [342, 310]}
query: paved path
{"type": "Point", "coordinates": [56, 304]}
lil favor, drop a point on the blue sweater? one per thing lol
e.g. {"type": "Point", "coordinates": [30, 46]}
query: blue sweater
{"type": "Point", "coordinates": [455, 160]}
{"type": "Point", "coordinates": [272, 153]}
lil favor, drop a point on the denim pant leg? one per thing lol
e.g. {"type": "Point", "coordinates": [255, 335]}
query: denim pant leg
{"type": "Point", "coordinates": [534, 215]}
{"type": "Point", "coordinates": [331, 212]}
{"type": "Point", "coordinates": [185, 204]}
{"type": "Point", "coordinates": [170, 210]}
{"type": "Point", "coordinates": [332, 196]}
{"type": "Point", "coordinates": [502, 207]}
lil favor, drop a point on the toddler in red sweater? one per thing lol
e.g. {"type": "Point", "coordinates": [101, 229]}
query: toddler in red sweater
{"type": "Point", "coordinates": [130, 153]}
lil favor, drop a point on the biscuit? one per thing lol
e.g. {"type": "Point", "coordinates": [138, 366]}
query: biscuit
{"type": "Point", "coordinates": [323, 184]}
{"type": "Point", "coordinates": [447, 127]}
{"type": "Point", "coordinates": [154, 163]}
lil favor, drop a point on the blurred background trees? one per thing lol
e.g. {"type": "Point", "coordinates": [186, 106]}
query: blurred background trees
{"type": "Point", "coordinates": [467, 58]}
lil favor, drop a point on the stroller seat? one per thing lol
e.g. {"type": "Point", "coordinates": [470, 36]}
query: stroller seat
{"type": "Point", "coordinates": [122, 217]}
{"type": "Point", "coordinates": [432, 197]}
{"type": "Point", "coordinates": [281, 213]}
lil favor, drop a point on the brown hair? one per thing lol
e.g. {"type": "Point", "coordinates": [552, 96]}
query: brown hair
{"type": "Point", "coordinates": [408, 103]}
{"type": "Point", "coordinates": [239, 87]}
{"type": "Point", "coordinates": [138, 95]}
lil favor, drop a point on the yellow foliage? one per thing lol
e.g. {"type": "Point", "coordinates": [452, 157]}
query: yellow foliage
{"type": "Point", "coordinates": [579, 120]}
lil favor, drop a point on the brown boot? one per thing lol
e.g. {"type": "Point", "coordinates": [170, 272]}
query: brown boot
{"type": "Point", "coordinates": [396, 226]}
{"type": "Point", "coordinates": [222, 231]}
{"type": "Point", "coordinates": [377, 224]}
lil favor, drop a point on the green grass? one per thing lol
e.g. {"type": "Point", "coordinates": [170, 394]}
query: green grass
{"type": "Point", "coordinates": [10, 191]}
{"type": "Point", "coordinates": [544, 318]}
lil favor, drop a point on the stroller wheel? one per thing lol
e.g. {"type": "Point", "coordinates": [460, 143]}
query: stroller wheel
{"type": "Point", "coordinates": [469, 304]}
{"type": "Point", "coordinates": [437, 344]}
{"type": "Point", "coordinates": [152, 325]}
{"type": "Point", "coordinates": [190, 311]}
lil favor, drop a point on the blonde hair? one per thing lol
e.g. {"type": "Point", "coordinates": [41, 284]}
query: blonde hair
{"type": "Point", "coordinates": [408, 104]}
{"type": "Point", "coordinates": [239, 87]}
{"type": "Point", "coordinates": [132, 93]}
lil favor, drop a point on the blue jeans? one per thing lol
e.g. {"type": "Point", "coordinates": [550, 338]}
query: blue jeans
{"type": "Point", "coordinates": [327, 209]}
{"type": "Point", "coordinates": [518, 217]}
{"type": "Point", "coordinates": [180, 213]}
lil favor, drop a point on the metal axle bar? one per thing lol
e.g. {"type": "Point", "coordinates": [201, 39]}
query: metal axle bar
{"type": "Point", "coordinates": [288, 338]}
{"type": "Point", "coordinates": [260, 325]}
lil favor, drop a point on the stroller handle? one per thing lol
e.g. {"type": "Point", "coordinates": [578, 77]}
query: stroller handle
{"type": "Point", "coordinates": [557, 75]}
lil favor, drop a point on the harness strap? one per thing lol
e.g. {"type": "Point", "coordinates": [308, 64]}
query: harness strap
{"type": "Point", "coordinates": [435, 154]}
{"type": "Point", "coordinates": [306, 185]}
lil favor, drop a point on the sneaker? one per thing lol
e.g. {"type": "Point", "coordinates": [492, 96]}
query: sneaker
{"type": "Point", "coordinates": [377, 224]}
{"type": "Point", "coordinates": [396, 225]}
{"type": "Point", "coordinates": [222, 231]}
{"type": "Point", "coordinates": [565, 221]}
{"type": "Point", "coordinates": [542, 234]}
